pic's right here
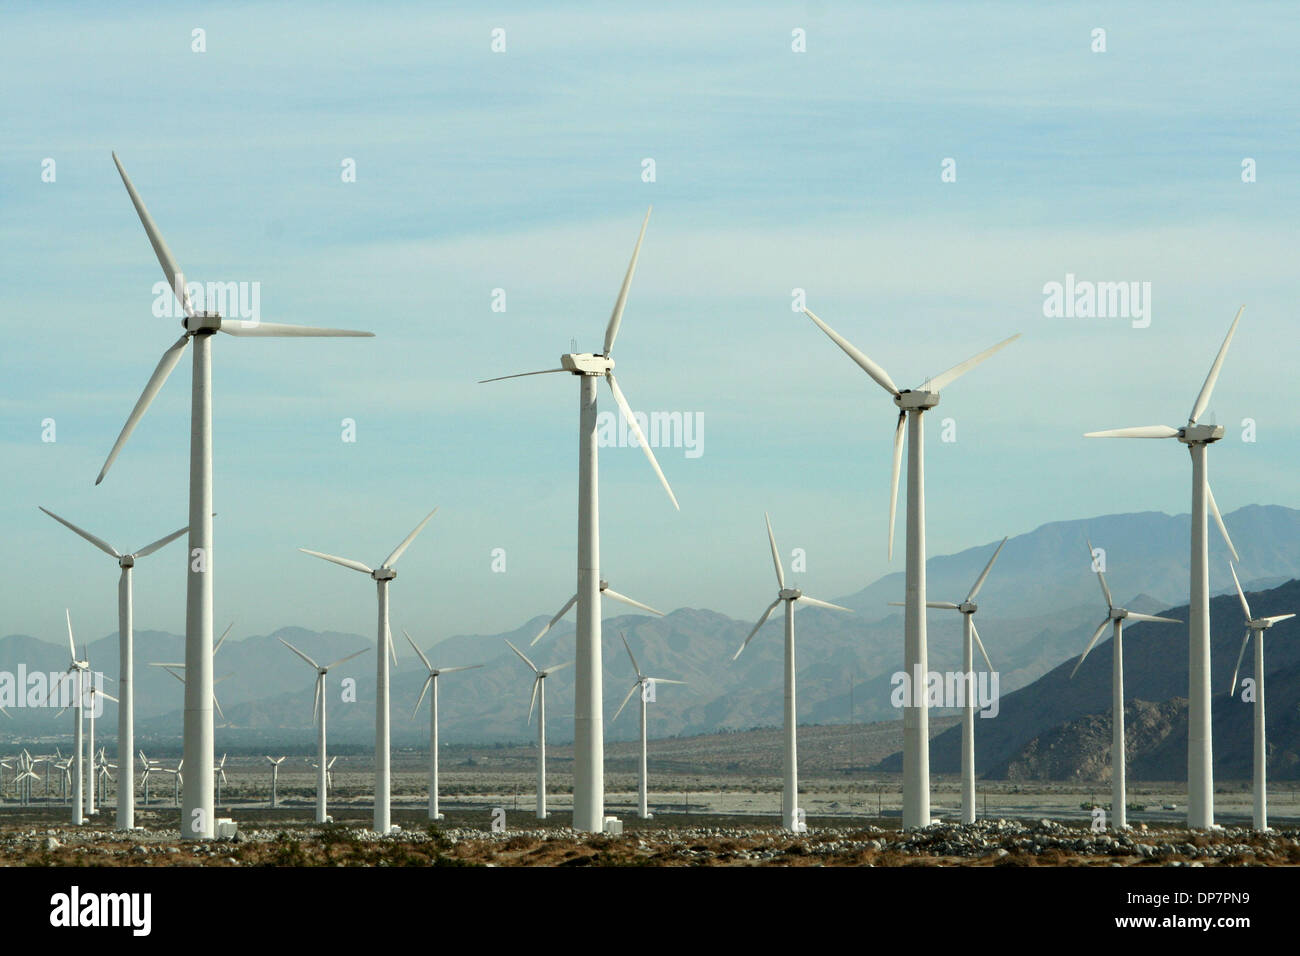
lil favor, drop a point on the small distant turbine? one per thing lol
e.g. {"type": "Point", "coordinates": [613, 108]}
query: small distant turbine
{"type": "Point", "coordinates": [1256, 626]}
{"type": "Point", "coordinates": [646, 686]}
{"type": "Point", "coordinates": [605, 591]}
{"type": "Point", "coordinates": [431, 682]}
{"type": "Point", "coordinates": [790, 818]}
{"type": "Point", "coordinates": [275, 779]}
{"type": "Point", "coordinates": [1116, 616]}
{"type": "Point", "coordinates": [318, 709]}
{"type": "Point", "coordinates": [539, 698]}
{"type": "Point", "coordinates": [382, 576]}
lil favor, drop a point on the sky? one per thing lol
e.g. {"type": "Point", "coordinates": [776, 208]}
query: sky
{"type": "Point", "coordinates": [523, 170]}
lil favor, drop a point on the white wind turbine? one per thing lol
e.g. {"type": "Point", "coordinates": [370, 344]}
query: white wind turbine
{"type": "Point", "coordinates": [790, 816]}
{"type": "Point", "coordinates": [318, 709]}
{"type": "Point", "coordinates": [588, 719]}
{"type": "Point", "coordinates": [1116, 616]}
{"type": "Point", "coordinates": [382, 576]}
{"type": "Point", "coordinates": [219, 769]}
{"type": "Point", "coordinates": [147, 767]}
{"type": "Point", "coordinates": [77, 667]}
{"type": "Point", "coordinates": [275, 779]}
{"type": "Point", "coordinates": [178, 671]}
{"type": "Point", "coordinates": [970, 636]}
{"type": "Point", "coordinates": [539, 697]}
{"type": "Point", "coordinates": [606, 591]}
{"type": "Point", "coordinates": [430, 682]}
{"type": "Point", "coordinates": [198, 814]}
{"type": "Point", "coordinates": [1256, 626]}
{"type": "Point", "coordinates": [1198, 438]}
{"type": "Point", "coordinates": [646, 686]}
{"type": "Point", "coordinates": [126, 656]}
{"type": "Point", "coordinates": [912, 405]}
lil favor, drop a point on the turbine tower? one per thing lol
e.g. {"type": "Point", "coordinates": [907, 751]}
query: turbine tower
{"type": "Point", "coordinates": [1197, 438]}
{"type": "Point", "coordinates": [539, 694]}
{"type": "Point", "coordinates": [588, 727]}
{"type": "Point", "coordinates": [430, 682]}
{"type": "Point", "coordinates": [791, 596]}
{"type": "Point", "coordinates": [126, 657]}
{"type": "Point", "coordinates": [912, 405]}
{"type": "Point", "coordinates": [383, 576]}
{"type": "Point", "coordinates": [318, 714]}
{"type": "Point", "coordinates": [646, 686]}
{"type": "Point", "coordinates": [1256, 626]}
{"type": "Point", "coordinates": [1116, 616]}
{"type": "Point", "coordinates": [198, 817]}
{"type": "Point", "coordinates": [970, 636]}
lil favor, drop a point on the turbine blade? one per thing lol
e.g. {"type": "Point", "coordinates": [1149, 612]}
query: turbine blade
{"type": "Point", "coordinates": [217, 704]}
{"type": "Point", "coordinates": [523, 658]}
{"type": "Point", "coordinates": [1139, 431]}
{"type": "Point", "coordinates": [635, 666]}
{"type": "Point", "coordinates": [461, 667]}
{"type": "Point", "coordinates": [1207, 389]}
{"type": "Point", "coordinates": [1096, 634]}
{"type": "Point", "coordinates": [957, 371]}
{"type": "Point", "coordinates": [149, 549]}
{"type": "Point", "coordinates": [298, 652]}
{"type": "Point", "coordinates": [346, 562]}
{"type": "Point", "coordinates": [423, 690]}
{"type": "Point", "coordinates": [761, 621]}
{"type": "Point", "coordinates": [805, 599]}
{"type": "Point", "coordinates": [899, 436]}
{"type": "Point", "coordinates": [175, 277]}
{"type": "Point", "coordinates": [640, 436]}
{"type": "Point", "coordinates": [776, 557]}
{"type": "Point", "coordinates": [1245, 606]}
{"type": "Point", "coordinates": [315, 704]}
{"type": "Point", "coordinates": [985, 573]}
{"type": "Point", "coordinates": [397, 552]}
{"type": "Point", "coordinates": [1105, 590]}
{"type": "Point", "coordinates": [878, 374]}
{"type": "Point", "coordinates": [533, 700]}
{"type": "Point", "coordinates": [241, 328]}
{"type": "Point", "coordinates": [616, 317]}
{"type": "Point", "coordinates": [502, 378]}
{"type": "Point", "coordinates": [156, 380]}
{"type": "Point", "coordinates": [635, 685]}
{"type": "Point", "coordinates": [1279, 617]}
{"type": "Point", "coordinates": [343, 660]}
{"type": "Point", "coordinates": [1218, 519]}
{"type": "Point", "coordinates": [424, 660]}
{"type": "Point", "coordinates": [1237, 667]}
{"type": "Point", "coordinates": [980, 644]}
{"type": "Point", "coordinates": [97, 542]}
{"type": "Point", "coordinates": [72, 647]}
{"type": "Point", "coordinates": [222, 639]}
{"type": "Point", "coordinates": [610, 592]}
{"type": "Point", "coordinates": [1135, 616]}
{"type": "Point", "coordinates": [665, 680]}
{"type": "Point", "coordinates": [551, 623]}
{"type": "Point", "coordinates": [557, 667]}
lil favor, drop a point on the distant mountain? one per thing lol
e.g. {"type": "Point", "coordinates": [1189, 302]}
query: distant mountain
{"type": "Point", "coordinates": [1054, 712]}
{"type": "Point", "coordinates": [1036, 610]}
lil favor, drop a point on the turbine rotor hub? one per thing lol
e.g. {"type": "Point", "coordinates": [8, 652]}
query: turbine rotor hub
{"type": "Point", "coordinates": [915, 399]}
{"type": "Point", "coordinates": [968, 607]}
{"type": "Point", "coordinates": [1200, 434]}
{"type": "Point", "coordinates": [790, 594]}
{"type": "Point", "coordinates": [383, 574]}
{"type": "Point", "coordinates": [201, 322]}
{"type": "Point", "coordinates": [126, 561]}
{"type": "Point", "coordinates": [1118, 613]}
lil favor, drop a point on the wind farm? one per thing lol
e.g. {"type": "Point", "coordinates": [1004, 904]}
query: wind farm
{"type": "Point", "coordinates": [731, 217]}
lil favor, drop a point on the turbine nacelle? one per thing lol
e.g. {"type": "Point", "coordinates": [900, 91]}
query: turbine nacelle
{"type": "Point", "coordinates": [586, 363]}
{"type": "Point", "coordinates": [790, 594]}
{"type": "Point", "coordinates": [916, 399]}
{"type": "Point", "coordinates": [201, 322]}
{"type": "Point", "coordinates": [1200, 434]}
{"type": "Point", "coordinates": [126, 561]}
{"type": "Point", "coordinates": [383, 574]}
{"type": "Point", "coordinates": [968, 607]}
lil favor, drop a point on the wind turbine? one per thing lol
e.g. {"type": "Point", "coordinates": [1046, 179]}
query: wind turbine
{"type": "Point", "coordinates": [92, 693]}
{"type": "Point", "coordinates": [275, 779]}
{"type": "Point", "coordinates": [77, 667]}
{"type": "Point", "coordinates": [588, 719]}
{"type": "Point", "coordinates": [539, 697]}
{"type": "Point", "coordinates": [219, 768]}
{"type": "Point", "coordinates": [429, 682]}
{"type": "Point", "coordinates": [198, 815]}
{"type": "Point", "coordinates": [1256, 626]}
{"type": "Point", "coordinates": [912, 405]}
{"type": "Point", "coordinates": [605, 590]}
{"type": "Point", "coordinates": [1198, 438]}
{"type": "Point", "coordinates": [126, 655]}
{"type": "Point", "coordinates": [790, 816]}
{"type": "Point", "coordinates": [970, 636]}
{"type": "Point", "coordinates": [1116, 616]}
{"type": "Point", "coordinates": [382, 576]}
{"type": "Point", "coordinates": [147, 767]}
{"type": "Point", "coordinates": [646, 685]}
{"type": "Point", "coordinates": [318, 714]}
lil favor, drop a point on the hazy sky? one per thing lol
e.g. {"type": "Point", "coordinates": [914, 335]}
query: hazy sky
{"type": "Point", "coordinates": [522, 171]}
